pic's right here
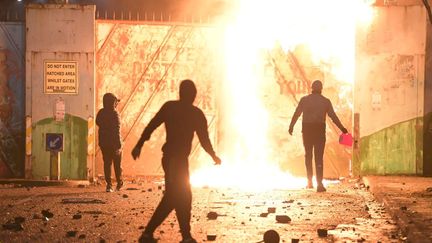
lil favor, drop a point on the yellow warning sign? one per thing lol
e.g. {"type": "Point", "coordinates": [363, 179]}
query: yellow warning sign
{"type": "Point", "coordinates": [60, 77]}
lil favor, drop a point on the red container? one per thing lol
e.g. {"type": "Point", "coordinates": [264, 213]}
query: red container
{"type": "Point", "coordinates": [346, 139]}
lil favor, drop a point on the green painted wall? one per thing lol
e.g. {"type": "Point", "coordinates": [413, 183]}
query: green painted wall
{"type": "Point", "coordinates": [73, 159]}
{"type": "Point", "coordinates": [393, 150]}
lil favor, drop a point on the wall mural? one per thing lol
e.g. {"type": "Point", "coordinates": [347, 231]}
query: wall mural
{"type": "Point", "coordinates": [11, 102]}
{"type": "Point", "coordinates": [143, 65]}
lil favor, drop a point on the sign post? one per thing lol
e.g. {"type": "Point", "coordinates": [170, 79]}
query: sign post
{"type": "Point", "coordinates": [54, 144]}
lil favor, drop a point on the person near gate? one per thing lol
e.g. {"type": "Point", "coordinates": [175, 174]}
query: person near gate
{"type": "Point", "coordinates": [182, 120]}
{"type": "Point", "coordinates": [110, 142]}
{"type": "Point", "coordinates": [315, 107]}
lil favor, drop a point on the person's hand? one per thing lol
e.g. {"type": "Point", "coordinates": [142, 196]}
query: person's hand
{"type": "Point", "coordinates": [217, 160]}
{"type": "Point", "coordinates": [344, 130]}
{"type": "Point", "coordinates": [290, 131]}
{"type": "Point", "coordinates": [136, 151]}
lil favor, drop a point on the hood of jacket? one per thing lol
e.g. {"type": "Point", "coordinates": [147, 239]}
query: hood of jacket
{"type": "Point", "coordinates": [109, 101]}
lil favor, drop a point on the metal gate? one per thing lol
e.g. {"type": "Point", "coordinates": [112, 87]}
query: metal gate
{"type": "Point", "coordinates": [142, 64]}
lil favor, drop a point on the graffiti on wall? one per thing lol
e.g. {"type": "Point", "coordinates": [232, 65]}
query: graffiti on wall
{"type": "Point", "coordinates": [292, 73]}
{"type": "Point", "coordinates": [143, 65]}
{"type": "Point", "coordinates": [11, 116]}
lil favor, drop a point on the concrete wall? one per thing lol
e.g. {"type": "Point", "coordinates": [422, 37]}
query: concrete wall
{"type": "Point", "coordinates": [389, 90]}
{"type": "Point", "coordinates": [12, 99]}
{"type": "Point", "coordinates": [61, 33]}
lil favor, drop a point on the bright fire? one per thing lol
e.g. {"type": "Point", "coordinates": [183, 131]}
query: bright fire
{"type": "Point", "coordinates": [327, 28]}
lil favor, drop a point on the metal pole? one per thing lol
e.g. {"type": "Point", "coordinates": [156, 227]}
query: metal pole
{"type": "Point", "coordinates": [54, 165]}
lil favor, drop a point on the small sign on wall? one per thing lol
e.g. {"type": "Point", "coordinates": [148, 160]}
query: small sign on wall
{"type": "Point", "coordinates": [60, 77]}
{"type": "Point", "coordinates": [60, 110]}
{"type": "Point", "coordinates": [54, 142]}
{"type": "Point", "coordinates": [376, 100]}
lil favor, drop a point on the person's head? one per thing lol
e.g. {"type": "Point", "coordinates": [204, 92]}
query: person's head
{"type": "Point", "coordinates": [110, 101]}
{"type": "Point", "coordinates": [188, 91]}
{"type": "Point", "coordinates": [317, 87]}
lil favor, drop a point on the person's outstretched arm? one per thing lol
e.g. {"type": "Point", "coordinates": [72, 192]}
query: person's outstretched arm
{"type": "Point", "coordinates": [295, 116]}
{"type": "Point", "coordinates": [203, 136]}
{"type": "Point", "coordinates": [154, 123]}
{"type": "Point", "coordinates": [335, 118]}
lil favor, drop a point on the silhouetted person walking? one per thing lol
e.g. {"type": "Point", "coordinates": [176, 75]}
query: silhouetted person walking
{"type": "Point", "coordinates": [110, 143]}
{"type": "Point", "coordinates": [182, 119]}
{"type": "Point", "coordinates": [314, 108]}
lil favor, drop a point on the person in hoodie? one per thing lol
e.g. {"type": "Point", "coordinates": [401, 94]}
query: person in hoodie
{"type": "Point", "coordinates": [110, 142]}
{"type": "Point", "coordinates": [315, 107]}
{"type": "Point", "coordinates": [182, 119]}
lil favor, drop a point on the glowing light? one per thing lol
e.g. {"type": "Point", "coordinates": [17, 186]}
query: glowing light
{"type": "Point", "coordinates": [326, 28]}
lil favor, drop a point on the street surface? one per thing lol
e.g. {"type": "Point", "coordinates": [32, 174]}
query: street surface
{"type": "Point", "coordinates": [347, 212]}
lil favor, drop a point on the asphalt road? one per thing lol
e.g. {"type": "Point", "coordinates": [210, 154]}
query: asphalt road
{"type": "Point", "coordinates": [347, 212]}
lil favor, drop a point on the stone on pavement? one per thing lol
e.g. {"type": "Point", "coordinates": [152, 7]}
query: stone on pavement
{"type": "Point", "coordinates": [349, 213]}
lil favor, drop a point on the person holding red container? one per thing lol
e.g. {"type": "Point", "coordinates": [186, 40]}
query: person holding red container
{"type": "Point", "coordinates": [314, 108]}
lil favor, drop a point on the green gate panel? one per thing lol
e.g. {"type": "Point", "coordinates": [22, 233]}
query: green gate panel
{"type": "Point", "coordinates": [73, 159]}
{"type": "Point", "coordinates": [393, 150]}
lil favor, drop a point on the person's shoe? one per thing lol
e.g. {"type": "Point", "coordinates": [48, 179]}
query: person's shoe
{"type": "Point", "coordinates": [321, 188]}
{"type": "Point", "coordinates": [119, 185]}
{"type": "Point", "coordinates": [189, 240]}
{"type": "Point", "coordinates": [309, 185]}
{"type": "Point", "coordinates": [146, 238]}
{"type": "Point", "coordinates": [109, 189]}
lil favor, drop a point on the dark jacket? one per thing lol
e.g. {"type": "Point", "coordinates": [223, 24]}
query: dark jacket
{"type": "Point", "coordinates": [108, 121]}
{"type": "Point", "coordinates": [182, 120]}
{"type": "Point", "coordinates": [315, 107]}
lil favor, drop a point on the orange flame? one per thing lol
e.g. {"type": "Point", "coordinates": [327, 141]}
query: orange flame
{"type": "Point", "coordinates": [327, 28]}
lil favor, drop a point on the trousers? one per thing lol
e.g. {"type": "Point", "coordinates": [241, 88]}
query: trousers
{"type": "Point", "coordinates": [177, 196]}
{"type": "Point", "coordinates": [112, 156]}
{"type": "Point", "coordinates": [314, 140]}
